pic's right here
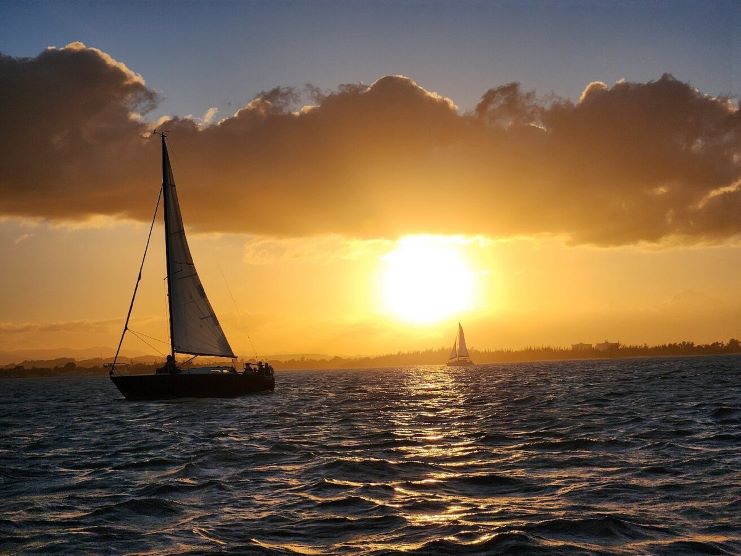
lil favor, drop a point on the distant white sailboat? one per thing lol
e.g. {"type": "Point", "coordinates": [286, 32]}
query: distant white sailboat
{"type": "Point", "coordinates": [459, 354]}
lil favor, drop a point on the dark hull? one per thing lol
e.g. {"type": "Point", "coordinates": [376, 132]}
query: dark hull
{"type": "Point", "coordinates": [170, 386]}
{"type": "Point", "coordinates": [463, 363]}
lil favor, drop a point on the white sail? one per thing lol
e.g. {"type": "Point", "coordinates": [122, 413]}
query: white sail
{"type": "Point", "coordinates": [193, 323]}
{"type": "Point", "coordinates": [462, 349]}
{"type": "Point", "coordinates": [454, 351]}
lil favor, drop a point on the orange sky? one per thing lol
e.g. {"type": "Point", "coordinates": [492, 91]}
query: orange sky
{"type": "Point", "coordinates": [70, 288]}
{"type": "Point", "coordinates": [371, 218]}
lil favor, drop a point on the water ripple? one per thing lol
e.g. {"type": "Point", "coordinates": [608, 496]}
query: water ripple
{"type": "Point", "coordinates": [608, 457]}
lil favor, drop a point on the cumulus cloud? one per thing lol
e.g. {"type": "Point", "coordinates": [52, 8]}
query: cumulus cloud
{"type": "Point", "coordinates": [21, 238]}
{"type": "Point", "coordinates": [595, 87]}
{"type": "Point", "coordinates": [626, 163]}
{"type": "Point", "coordinates": [261, 250]}
{"type": "Point", "coordinates": [68, 142]}
{"type": "Point", "coordinates": [208, 116]}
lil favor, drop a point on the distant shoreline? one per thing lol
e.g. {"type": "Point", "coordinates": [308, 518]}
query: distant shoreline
{"type": "Point", "coordinates": [70, 370]}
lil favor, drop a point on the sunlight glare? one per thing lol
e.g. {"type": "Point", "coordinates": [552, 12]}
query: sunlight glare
{"type": "Point", "coordinates": [426, 279]}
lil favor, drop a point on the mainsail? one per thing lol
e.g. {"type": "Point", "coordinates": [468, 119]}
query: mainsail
{"type": "Point", "coordinates": [462, 349]}
{"type": "Point", "coordinates": [194, 328]}
{"type": "Point", "coordinates": [459, 354]}
{"type": "Point", "coordinates": [454, 351]}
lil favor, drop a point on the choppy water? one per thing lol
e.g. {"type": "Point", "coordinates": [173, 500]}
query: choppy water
{"type": "Point", "coordinates": [599, 456]}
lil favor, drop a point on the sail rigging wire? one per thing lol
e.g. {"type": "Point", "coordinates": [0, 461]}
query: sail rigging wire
{"type": "Point", "coordinates": [138, 279]}
{"type": "Point", "coordinates": [166, 296]}
{"type": "Point", "coordinates": [148, 336]}
{"type": "Point", "coordinates": [189, 360]}
{"type": "Point", "coordinates": [234, 302]}
{"type": "Point", "coordinates": [138, 336]}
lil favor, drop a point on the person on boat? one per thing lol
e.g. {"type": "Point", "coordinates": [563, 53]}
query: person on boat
{"type": "Point", "coordinates": [169, 366]}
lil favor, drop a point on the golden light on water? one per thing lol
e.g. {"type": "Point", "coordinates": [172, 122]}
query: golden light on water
{"type": "Point", "coordinates": [426, 279]}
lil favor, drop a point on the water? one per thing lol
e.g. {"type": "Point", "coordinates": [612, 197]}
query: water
{"type": "Point", "coordinates": [613, 457]}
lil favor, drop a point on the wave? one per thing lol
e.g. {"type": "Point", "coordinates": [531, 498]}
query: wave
{"type": "Point", "coordinates": [148, 506]}
{"type": "Point", "coordinates": [576, 444]}
{"type": "Point", "coordinates": [605, 528]}
{"type": "Point", "coordinates": [487, 484]}
{"type": "Point", "coordinates": [609, 457]}
{"type": "Point", "coordinates": [367, 469]}
{"type": "Point", "coordinates": [178, 487]}
{"type": "Point", "coordinates": [503, 543]}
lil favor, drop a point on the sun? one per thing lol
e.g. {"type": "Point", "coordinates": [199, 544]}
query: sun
{"type": "Point", "coordinates": [426, 279]}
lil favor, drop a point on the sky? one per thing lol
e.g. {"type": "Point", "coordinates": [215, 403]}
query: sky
{"type": "Point", "coordinates": [357, 177]}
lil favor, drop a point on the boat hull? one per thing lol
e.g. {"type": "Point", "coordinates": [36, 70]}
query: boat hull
{"type": "Point", "coordinates": [171, 386]}
{"type": "Point", "coordinates": [461, 364]}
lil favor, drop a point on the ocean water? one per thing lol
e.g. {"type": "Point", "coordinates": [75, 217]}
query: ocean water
{"type": "Point", "coordinates": [609, 457]}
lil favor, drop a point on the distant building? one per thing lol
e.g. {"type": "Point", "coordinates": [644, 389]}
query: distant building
{"type": "Point", "coordinates": [581, 347]}
{"type": "Point", "coordinates": [607, 346]}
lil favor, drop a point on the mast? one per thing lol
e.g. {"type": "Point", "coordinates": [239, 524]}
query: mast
{"type": "Point", "coordinates": [166, 179]}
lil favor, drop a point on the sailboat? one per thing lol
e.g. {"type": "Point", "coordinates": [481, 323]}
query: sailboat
{"type": "Point", "coordinates": [459, 354]}
{"type": "Point", "coordinates": [194, 328]}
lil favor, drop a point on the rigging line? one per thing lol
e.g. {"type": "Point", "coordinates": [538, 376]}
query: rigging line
{"type": "Point", "coordinates": [136, 335]}
{"type": "Point", "coordinates": [234, 302]}
{"type": "Point", "coordinates": [167, 307]}
{"type": "Point", "coordinates": [136, 286]}
{"type": "Point", "coordinates": [148, 336]}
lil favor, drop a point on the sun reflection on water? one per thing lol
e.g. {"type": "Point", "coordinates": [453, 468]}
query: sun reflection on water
{"type": "Point", "coordinates": [429, 415]}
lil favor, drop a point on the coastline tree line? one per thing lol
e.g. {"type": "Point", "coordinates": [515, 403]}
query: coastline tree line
{"type": "Point", "coordinates": [95, 367]}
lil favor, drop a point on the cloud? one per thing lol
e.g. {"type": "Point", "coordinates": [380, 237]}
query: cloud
{"type": "Point", "coordinates": [627, 163]}
{"type": "Point", "coordinates": [68, 326]}
{"type": "Point", "coordinates": [208, 116]}
{"type": "Point", "coordinates": [322, 249]}
{"type": "Point", "coordinates": [21, 238]}
{"type": "Point", "coordinates": [68, 144]}
{"type": "Point", "coordinates": [595, 87]}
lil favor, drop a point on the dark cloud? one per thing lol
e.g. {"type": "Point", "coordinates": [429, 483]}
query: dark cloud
{"type": "Point", "coordinates": [627, 163]}
{"type": "Point", "coordinates": [69, 139]}
{"type": "Point", "coordinates": [508, 106]}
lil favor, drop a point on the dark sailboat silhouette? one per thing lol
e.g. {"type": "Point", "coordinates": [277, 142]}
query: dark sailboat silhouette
{"type": "Point", "coordinates": [459, 354]}
{"type": "Point", "coordinates": [194, 328]}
